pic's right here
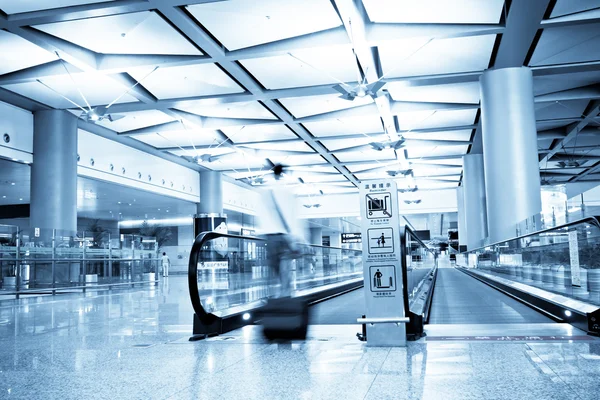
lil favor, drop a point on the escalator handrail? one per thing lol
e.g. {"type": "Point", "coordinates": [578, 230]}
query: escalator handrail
{"type": "Point", "coordinates": [201, 240]}
{"type": "Point", "coordinates": [594, 220]}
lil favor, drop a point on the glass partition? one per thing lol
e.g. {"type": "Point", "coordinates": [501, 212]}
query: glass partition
{"type": "Point", "coordinates": [233, 272]}
{"type": "Point", "coordinates": [563, 259]}
{"type": "Point", "coordinates": [47, 260]}
{"type": "Point", "coordinates": [420, 261]}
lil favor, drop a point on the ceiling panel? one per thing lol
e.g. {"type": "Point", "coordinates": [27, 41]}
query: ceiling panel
{"type": "Point", "coordinates": [134, 33]}
{"type": "Point", "coordinates": [449, 161]}
{"type": "Point", "coordinates": [566, 7]}
{"type": "Point", "coordinates": [561, 109]}
{"type": "Point", "coordinates": [392, 164]}
{"type": "Point", "coordinates": [309, 159]}
{"type": "Point", "coordinates": [186, 81]}
{"type": "Point", "coordinates": [416, 57]}
{"type": "Point", "coordinates": [551, 84]}
{"type": "Point", "coordinates": [436, 151]}
{"type": "Point", "coordinates": [358, 140]}
{"type": "Point", "coordinates": [435, 11]}
{"type": "Point", "coordinates": [311, 105]}
{"type": "Point", "coordinates": [21, 6]}
{"type": "Point", "coordinates": [97, 88]}
{"type": "Point", "coordinates": [136, 120]}
{"type": "Point", "coordinates": [258, 133]}
{"type": "Point", "coordinates": [247, 109]}
{"type": "Point", "coordinates": [183, 138]}
{"type": "Point", "coordinates": [366, 155]}
{"type": "Point", "coordinates": [239, 163]}
{"type": "Point", "coordinates": [17, 53]}
{"type": "Point", "coordinates": [567, 44]}
{"type": "Point", "coordinates": [441, 135]}
{"type": "Point", "coordinates": [241, 23]}
{"type": "Point", "coordinates": [345, 126]}
{"type": "Point", "coordinates": [284, 146]}
{"type": "Point", "coordinates": [305, 68]}
{"type": "Point", "coordinates": [435, 119]}
{"type": "Point", "coordinates": [452, 93]}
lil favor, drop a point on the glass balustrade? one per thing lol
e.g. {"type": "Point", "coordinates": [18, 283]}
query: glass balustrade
{"type": "Point", "coordinates": [420, 263]}
{"type": "Point", "coordinates": [563, 259]}
{"type": "Point", "coordinates": [232, 272]}
{"type": "Point", "coordinates": [47, 260]}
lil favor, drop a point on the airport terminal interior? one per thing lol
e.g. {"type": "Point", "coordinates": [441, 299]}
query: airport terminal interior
{"type": "Point", "coordinates": [441, 165]}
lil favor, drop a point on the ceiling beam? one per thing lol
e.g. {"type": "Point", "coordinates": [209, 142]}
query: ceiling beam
{"type": "Point", "coordinates": [573, 131]}
{"type": "Point", "coordinates": [355, 20]}
{"type": "Point", "coordinates": [584, 92]}
{"type": "Point", "coordinates": [580, 18]}
{"type": "Point", "coordinates": [23, 102]}
{"type": "Point", "coordinates": [522, 23]}
{"type": "Point", "coordinates": [198, 36]}
{"type": "Point", "coordinates": [377, 33]}
{"type": "Point", "coordinates": [592, 170]}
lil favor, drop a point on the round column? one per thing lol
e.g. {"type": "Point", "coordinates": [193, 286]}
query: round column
{"type": "Point", "coordinates": [512, 173]}
{"type": "Point", "coordinates": [210, 215]}
{"type": "Point", "coordinates": [462, 223]}
{"type": "Point", "coordinates": [54, 171]}
{"type": "Point", "coordinates": [474, 200]}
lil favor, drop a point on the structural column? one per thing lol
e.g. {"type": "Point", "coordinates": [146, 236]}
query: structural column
{"type": "Point", "coordinates": [54, 172]}
{"type": "Point", "coordinates": [462, 223]}
{"type": "Point", "coordinates": [210, 215]}
{"type": "Point", "coordinates": [512, 173]}
{"type": "Point", "coordinates": [474, 200]}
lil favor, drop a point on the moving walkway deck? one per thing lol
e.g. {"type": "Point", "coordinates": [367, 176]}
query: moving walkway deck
{"type": "Point", "coordinates": [457, 299]}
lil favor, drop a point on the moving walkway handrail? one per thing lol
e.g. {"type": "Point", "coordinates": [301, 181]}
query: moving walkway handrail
{"type": "Point", "coordinates": [201, 240]}
{"type": "Point", "coordinates": [594, 220]}
{"type": "Point", "coordinates": [415, 327]}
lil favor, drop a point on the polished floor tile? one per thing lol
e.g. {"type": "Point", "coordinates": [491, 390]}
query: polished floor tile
{"type": "Point", "coordinates": [134, 345]}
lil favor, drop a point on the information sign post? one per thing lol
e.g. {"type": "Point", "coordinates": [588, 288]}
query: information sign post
{"type": "Point", "coordinates": [382, 264]}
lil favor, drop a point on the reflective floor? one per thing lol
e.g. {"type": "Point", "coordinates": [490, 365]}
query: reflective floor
{"type": "Point", "coordinates": [133, 345]}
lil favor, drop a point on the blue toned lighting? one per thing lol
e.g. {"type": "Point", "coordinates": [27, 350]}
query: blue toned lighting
{"type": "Point", "coordinates": [567, 313]}
{"type": "Point", "coordinates": [246, 316]}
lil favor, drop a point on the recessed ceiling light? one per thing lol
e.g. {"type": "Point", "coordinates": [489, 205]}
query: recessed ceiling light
{"type": "Point", "coordinates": [118, 202]}
{"type": "Point", "coordinates": [129, 203]}
{"type": "Point", "coordinates": [20, 199]}
{"type": "Point", "coordinates": [3, 197]}
{"type": "Point", "coordinates": [12, 184]}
